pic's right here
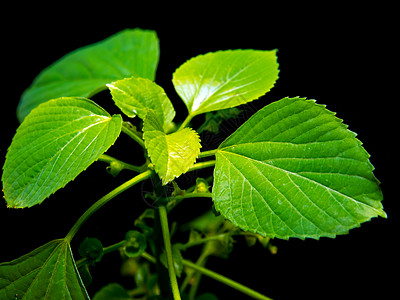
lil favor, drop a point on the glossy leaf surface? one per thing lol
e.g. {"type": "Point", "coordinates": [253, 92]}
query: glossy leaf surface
{"type": "Point", "coordinates": [56, 142]}
{"type": "Point", "coordinates": [134, 96]}
{"type": "Point", "coordinates": [225, 79]}
{"type": "Point", "coordinates": [85, 71]}
{"type": "Point", "coordinates": [47, 273]}
{"type": "Point", "coordinates": [295, 170]}
{"type": "Point", "coordinates": [171, 154]}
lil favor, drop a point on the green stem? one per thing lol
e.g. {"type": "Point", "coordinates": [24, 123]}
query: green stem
{"type": "Point", "coordinates": [126, 128]}
{"type": "Point", "coordinates": [109, 159]}
{"type": "Point", "coordinates": [202, 165]}
{"type": "Point", "coordinates": [196, 276]}
{"type": "Point", "coordinates": [104, 200]}
{"type": "Point", "coordinates": [201, 261]}
{"type": "Point", "coordinates": [207, 153]}
{"type": "Point", "coordinates": [203, 240]}
{"type": "Point", "coordinates": [168, 250]}
{"type": "Point", "coordinates": [186, 121]}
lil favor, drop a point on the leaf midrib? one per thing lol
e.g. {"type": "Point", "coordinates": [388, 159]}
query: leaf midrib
{"type": "Point", "coordinates": [288, 201]}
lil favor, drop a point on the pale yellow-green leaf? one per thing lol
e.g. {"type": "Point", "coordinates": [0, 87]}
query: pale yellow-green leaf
{"type": "Point", "coordinates": [171, 154]}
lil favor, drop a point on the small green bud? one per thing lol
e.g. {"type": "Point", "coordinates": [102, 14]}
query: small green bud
{"type": "Point", "coordinates": [91, 249]}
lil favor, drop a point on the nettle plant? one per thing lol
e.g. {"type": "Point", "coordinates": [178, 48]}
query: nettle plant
{"type": "Point", "coordinates": [292, 170]}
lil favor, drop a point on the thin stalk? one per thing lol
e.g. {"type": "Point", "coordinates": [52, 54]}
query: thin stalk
{"type": "Point", "coordinates": [109, 159]}
{"type": "Point", "coordinates": [225, 280]}
{"type": "Point", "coordinates": [201, 261]}
{"type": "Point", "coordinates": [104, 200]}
{"type": "Point", "coordinates": [203, 241]}
{"type": "Point", "coordinates": [186, 121]}
{"type": "Point", "coordinates": [192, 195]}
{"type": "Point", "coordinates": [207, 153]}
{"type": "Point", "coordinates": [196, 276]}
{"type": "Point", "coordinates": [168, 250]}
{"type": "Point", "coordinates": [127, 130]}
{"type": "Point", "coordinates": [106, 250]}
{"type": "Point", "coordinates": [202, 165]}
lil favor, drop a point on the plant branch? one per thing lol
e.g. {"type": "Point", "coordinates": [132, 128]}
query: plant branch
{"type": "Point", "coordinates": [104, 200]}
{"type": "Point", "coordinates": [202, 165]}
{"type": "Point", "coordinates": [127, 129]}
{"type": "Point", "coordinates": [186, 121]}
{"type": "Point", "coordinates": [109, 159]}
{"type": "Point", "coordinates": [207, 153]}
{"type": "Point", "coordinates": [168, 250]}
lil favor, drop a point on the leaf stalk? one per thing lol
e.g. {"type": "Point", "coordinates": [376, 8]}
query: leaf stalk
{"type": "Point", "coordinates": [126, 128]}
{"type": "Point", "coordinates": [123, 187]}
{"type": "Point", "coordinates": [109, 159]}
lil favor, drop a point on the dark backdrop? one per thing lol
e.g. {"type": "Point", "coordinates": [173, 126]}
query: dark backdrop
{"type": "Point", "coordinates": [340, 56]}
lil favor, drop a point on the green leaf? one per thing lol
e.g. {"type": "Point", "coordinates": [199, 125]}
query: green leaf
{"type": "Point", "coordinates": [49, 272]}
{"type": "Point", "coordinates": [112, 291]}
{"type": "Point", "coordinates": [85, 71]}
{"type": "Point", "coordinates": [56, 142]}
{"type": "Point", "coordinates": [295, 170]}
{"type": "Point", "coordinates": [171, 154]}
{"type": "Point", "coordinates": [134, 96]}
{"type": "Point", "coordinates": [225, 79]}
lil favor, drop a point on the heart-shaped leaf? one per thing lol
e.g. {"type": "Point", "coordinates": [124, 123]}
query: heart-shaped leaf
{"type": "Point", "coordinates": [225, 79]}
{"type": "Point", "coordinates": [56, 142]}
{"type": "Point", "coordinates": [295, 170]}
{"type": "Point", "coordinates": [171, 154]}
{"type": "Point", "coordinates": [47, 273]}
{"type": "Point", "coordinates": [86, 71]}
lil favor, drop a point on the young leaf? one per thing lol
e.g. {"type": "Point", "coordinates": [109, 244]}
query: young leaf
{"type": "Point", "coordinates": [177, 258]}
{"type": "Point", "coordinates": [85, 71]}
{"type": "Point", "coordinates": [47, 273]}
{"type": "Point", "coordinates": [56, 142]}
{"type": "Point", "coordinates": [134, 96]}
{"type": "Point", "coordinates": [295, 170]}
{"type": "Point", "coordinates": [225, 79]}
{"type": "Point", "coordinates": [171, 154]}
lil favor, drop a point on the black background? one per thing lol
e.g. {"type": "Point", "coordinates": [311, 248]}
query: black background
{"type": "Point", "coordinates": [341, 56]}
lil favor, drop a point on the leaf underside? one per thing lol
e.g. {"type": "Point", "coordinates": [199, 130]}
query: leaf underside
{"type": "Point", "coordinates": [225, 79]}
{"type": "Point", "coordinates": [85, 71]}
{"type": "Point", "coordinates": [48, 273]}
{"type": "Point", "coordinates": [56, 142]}
{"type": "Point", "coordinates": [295, 170]}
{"type": "Point", "coordinates": [171, 154]}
